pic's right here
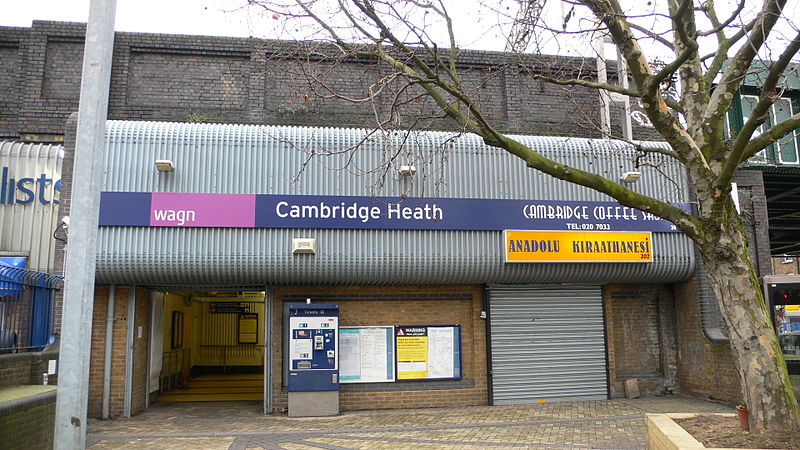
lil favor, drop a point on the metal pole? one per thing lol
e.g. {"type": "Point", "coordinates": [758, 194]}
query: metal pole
{"type": "Point", "coordinates": [602, 78]}
{"type": "Point", "coordinates": [622, 75]}
{"type": "Point", "coordinates": [79, 276]}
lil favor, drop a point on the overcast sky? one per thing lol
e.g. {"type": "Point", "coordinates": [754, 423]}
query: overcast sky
{"type": "Point", "coordinates": [200, 17]}
{"type": "Point", "coordinates": [229, 18]}
{"type": "Point", "coordinates": [210, 17]}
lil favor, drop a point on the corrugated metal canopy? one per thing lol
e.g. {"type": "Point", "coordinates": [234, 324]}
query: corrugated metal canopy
{"type": "Point", "coordinates": [249, 159]}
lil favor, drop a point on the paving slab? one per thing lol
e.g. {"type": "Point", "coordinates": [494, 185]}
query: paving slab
{"type": "Point", "coordinates": [612, 424]}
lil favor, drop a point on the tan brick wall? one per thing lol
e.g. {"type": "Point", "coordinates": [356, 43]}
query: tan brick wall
{"type": "Point", "coordinates": [140, 347]}
{"type": "Point", "coordinates": [120, 333]}
{"type": "Point", "coordinates": [366, 306]}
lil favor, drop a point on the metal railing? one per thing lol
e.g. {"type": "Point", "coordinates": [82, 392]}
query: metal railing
{"type": "Point", "coordinates": [27, 309]}
{"type": "Point", "coordinates": [223, 352]}
{"type": "Point", "coordinates": [174, 367]}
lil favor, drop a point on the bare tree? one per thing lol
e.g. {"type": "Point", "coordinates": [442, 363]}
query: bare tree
{"type": "Point", "coordinates": [703, 81]}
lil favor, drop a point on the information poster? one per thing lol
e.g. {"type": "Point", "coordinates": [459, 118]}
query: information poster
{"type": "Point", "coordinates": [248, 328]}
{"type": "Point", "coordinates": [412, 352]}
{"type": "Point", "coordinates": [428, 352]}
{"type": "Point", "coordinates": [366, 354]}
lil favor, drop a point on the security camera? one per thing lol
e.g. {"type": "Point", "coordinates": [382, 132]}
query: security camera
{"type": "Point", "coordinates": [62, 228]}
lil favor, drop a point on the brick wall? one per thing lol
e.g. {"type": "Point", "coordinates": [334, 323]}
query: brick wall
{"type": "Point", "coordinates": [236, 80]}
{"type": "Point", "coordinates": [120, 334]}
{"type": "Point", "coordinates": [141, 343]}
{"type": "Point", "coordinates": [399, 306]}
{"type": "Point", "coordinates": [640, 331]}
{"type": "Point", "coordinates": [10, 80]}
{"type": "Point", "coordinates": [26, 368]}
{"type": "Point", "coordinates": [28, 423]}
{"type": "Point", "coordinates": [704, 369]}
{"type": "Point", "coordinates": [785, 266]}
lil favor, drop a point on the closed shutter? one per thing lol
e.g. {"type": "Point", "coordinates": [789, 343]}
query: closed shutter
{"type": "Point", "coordinates": [548, 343]}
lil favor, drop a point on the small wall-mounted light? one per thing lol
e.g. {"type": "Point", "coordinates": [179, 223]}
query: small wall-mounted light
{"type": "Point", "coordinates": [630, 176]}
{"type": "Point", "coordinates": [407, 171]}
{"type": "Point", "coordinates": [307, 246]}
{"type": "Point", "coordinates": [165, 165]}
{"type": "Point", "coordinates": [787, 259]}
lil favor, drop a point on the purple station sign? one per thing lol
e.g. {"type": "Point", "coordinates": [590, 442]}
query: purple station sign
{"type": "Point", "coordinates": [171, 209]}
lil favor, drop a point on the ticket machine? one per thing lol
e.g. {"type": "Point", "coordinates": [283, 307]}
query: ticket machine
{"type": "Point", "coordinates": [313, 383]}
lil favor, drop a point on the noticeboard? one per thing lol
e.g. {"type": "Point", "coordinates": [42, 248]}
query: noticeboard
{"type": "Point", "coordinates": [248, 328]}
{"type": "Point", "coordinates": [428, 352]}
{"type": "Point", "coordinates": [366, 354]}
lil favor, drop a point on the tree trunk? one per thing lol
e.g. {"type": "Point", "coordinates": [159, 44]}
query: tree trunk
{"type": "Point", "coordinates": [766, 388]}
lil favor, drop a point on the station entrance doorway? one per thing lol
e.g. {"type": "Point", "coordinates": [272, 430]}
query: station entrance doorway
{"type": "Point", "coordinates": [210, 346]}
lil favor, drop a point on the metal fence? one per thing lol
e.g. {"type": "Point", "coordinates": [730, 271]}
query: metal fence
{"type": "Point", "coordinates": [27, 309]}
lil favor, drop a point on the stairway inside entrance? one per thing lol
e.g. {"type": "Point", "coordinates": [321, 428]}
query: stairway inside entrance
{"type": "Point", "coordinates": [218, 388]}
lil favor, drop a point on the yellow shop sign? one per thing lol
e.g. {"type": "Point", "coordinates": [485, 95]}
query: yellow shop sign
{"type": "Point", "coordinates": [578, 246]}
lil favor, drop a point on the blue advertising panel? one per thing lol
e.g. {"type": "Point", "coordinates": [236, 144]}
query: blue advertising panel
{"type": "Point", "coordinates": [162, 209]}
{"type": "Point", "coordinates": [20, 262]}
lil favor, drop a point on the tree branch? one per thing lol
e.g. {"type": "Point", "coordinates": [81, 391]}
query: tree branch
{"type": "Point", "coordinates": [665, 42]}
{"type": "Point", "coordinates": [721, 55]}
{"type": "Point", "coordinates": [742, 145]}
{"type": "Point", "coordinates": [644, 148]}
{"type": "Point", "coordinates": [719, 27]}
{"type": "Point", "coordinates": [732, 78]}
{"type": "Point", "coordinates": [655, 106]}
{"type": "Point", "coordinates": [683, 220]}
{"type": "Point", "coordinates": [772, 135]}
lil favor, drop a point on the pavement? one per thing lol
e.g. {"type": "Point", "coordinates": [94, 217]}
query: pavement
{"type": "Point", "coordinates": [609, 424]}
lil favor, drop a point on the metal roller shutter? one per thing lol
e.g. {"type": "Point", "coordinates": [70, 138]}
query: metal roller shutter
{"type": "Point", "coordinates": [548, 343]}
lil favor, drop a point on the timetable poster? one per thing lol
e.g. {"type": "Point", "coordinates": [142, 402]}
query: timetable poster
{"type": "Point", "coordinates": [366, 354]}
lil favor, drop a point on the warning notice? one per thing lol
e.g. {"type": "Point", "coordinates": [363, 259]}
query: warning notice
{"type": "Point", "coordinates": [412, 352]}
{"type": "Point", "coordinates": [428, 352]}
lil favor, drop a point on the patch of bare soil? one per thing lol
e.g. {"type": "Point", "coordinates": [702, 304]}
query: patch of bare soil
{"type": "Point", "coordinates": [718, 431]}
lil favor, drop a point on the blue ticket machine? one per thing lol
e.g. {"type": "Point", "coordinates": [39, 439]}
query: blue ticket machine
{"type": "Point", "coordinates": [313, 359]}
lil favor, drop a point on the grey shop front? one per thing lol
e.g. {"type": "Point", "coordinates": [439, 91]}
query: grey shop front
{"type": "Point", "coordinates": [469, 238]}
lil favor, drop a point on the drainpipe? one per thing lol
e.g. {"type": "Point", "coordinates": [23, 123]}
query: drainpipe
{"type": "Point", "coordinates": [268, 303]}
{"type": "Point", "coordinates": [487, 305]}
{"type": "Point", "coordinates": [112, 294]}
